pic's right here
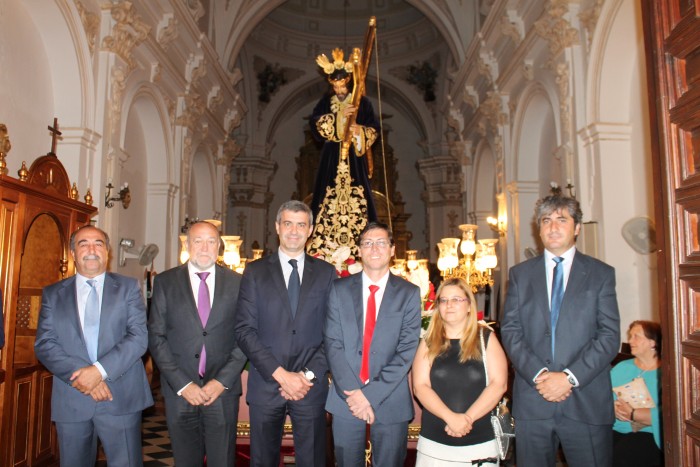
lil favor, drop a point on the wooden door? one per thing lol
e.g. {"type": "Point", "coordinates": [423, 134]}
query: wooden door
{"type": "Point", "coordinates": [672, 34]}
{"type": "Point", "coordinates": [43, 255]}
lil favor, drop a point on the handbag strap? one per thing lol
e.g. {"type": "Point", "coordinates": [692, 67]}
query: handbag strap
{"type": "Point", "coordinates": [486, 369]}
{"type": "Point", "coordinates": [483, 354]}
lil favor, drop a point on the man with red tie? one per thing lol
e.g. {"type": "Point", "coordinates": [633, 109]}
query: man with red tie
{"type": "Point", "coordinates": [191, 339]}
{"type": "Point", "coordinates": [371, 335]}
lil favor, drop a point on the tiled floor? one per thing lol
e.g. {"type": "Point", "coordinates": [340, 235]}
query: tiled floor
{"type": "Point", "coordinates": [157, 450]}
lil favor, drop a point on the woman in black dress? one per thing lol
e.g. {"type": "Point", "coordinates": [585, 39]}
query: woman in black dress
{"type": "Point", "coordinates": [450, 383]}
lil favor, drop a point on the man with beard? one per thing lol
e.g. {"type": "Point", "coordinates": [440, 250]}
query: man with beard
{"type": "Point", "coordinates": [191, 340]}
{"type": "Point", "coordinates": [91, 335]}
{"type": "Point", "coordinates": [328, 122]}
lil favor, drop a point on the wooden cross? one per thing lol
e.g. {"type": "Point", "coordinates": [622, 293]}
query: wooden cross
{"type": "Point", "coordinates": [55, 134]}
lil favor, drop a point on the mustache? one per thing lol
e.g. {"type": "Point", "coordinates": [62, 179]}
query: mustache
{"type": "Point", "coordinates": [89, 257]}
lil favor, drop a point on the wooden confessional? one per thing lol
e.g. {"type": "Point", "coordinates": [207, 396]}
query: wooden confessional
{"type": "Point", "coordinates": [38, 211]}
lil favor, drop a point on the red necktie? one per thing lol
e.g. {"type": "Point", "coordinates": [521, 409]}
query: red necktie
{"type": "Point", "coordinates": [370, 321]}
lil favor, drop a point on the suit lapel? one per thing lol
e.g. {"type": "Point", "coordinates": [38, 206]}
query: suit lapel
{"type": "Point", "coordinates": [218, 294]}
{"type": "Point", "coordinates": [386, 308]}
{"type": "Point", "coordinates": [539, 286]}
{"type": "Point", "coordinates": [183, 278]}
{"type": "Point", "coordinates": [110, 292]}
{"type": "Point", "coordinates": [275, 269]}
{"type": "Point", "coordinates": [68, 295]}
{"type": "Point", "coordinates": [307, 282]}
{"type": "Point", "coordinates": [357, 293]}
{"type": "Point", "coordinates": [577, 279]}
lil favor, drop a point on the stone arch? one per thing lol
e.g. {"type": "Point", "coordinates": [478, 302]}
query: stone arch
{"type": "Point", "coordinates": [202, 184]}
{"type": "Point", "coordinates": [617, 141]}
{"type": "Point", "coordinates": [535, 130]}
{"type": "Point", "coordinates": [483, 186]}
{"type": "Point", "coordinates": [41, 81]}
{"type": "Point", "coordinates": [146, 137]}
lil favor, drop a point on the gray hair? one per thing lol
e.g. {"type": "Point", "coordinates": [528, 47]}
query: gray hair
{"type": "Point", "coordinates": [189, 229]}
{"type": "Point", "coordinates": [88, 226]}
{"type": "Point", "coordinates": [294, 206]}
{"type": "Point", "coordinates": [553, 203]}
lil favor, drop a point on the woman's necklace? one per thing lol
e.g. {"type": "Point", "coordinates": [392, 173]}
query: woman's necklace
{"type": "Point", "coordinates": [643, 368]}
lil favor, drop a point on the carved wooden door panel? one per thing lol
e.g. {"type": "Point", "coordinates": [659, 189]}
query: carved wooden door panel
{"type": "Point", "coordinates": [672, 30]}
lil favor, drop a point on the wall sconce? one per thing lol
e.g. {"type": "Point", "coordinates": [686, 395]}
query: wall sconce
{"type": "Point", "coordinates": [124, 196]}
{"type": "Point", "coordinates": [498, 225]}
{"type": "Point", "coordinates": [184, 254]}
{"type": "Point", "coordinates": [232, 255]}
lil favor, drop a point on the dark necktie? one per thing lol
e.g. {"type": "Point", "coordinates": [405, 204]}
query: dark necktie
{"type": "Point", "coordinates": [370, 321]}
{"type": "Point", "coordinates": [293, 287]}
{"type": "Point", "coordinates": [557, 296]}
{"type": "Point", "coordinates": [91, 321]}
{"type": "Point", "coordinates": [204, 309]}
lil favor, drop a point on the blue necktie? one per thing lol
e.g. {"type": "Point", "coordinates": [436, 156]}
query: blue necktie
{"type": "Point", "coordinates": [91, 321]}
{"type": "Point", "coordinates": [293, 287]}
{"type": "Point", "coordinates": [557, 296]}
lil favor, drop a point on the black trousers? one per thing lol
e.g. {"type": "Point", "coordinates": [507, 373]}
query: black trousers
{"type": "Point", "coordinates": [636, 450]}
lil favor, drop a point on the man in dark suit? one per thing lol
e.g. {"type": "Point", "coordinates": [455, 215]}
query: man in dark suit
{"type": "Point", "coordinates": [284, 342]}
{"type": "Point", "coordinates": [370, 353]}
{"type": "Point", "coordinates": [91, 335]}
{"type": "Point", "coordinates": [192, 342]}
{"type": "Point", "coordinates": [561, 329]}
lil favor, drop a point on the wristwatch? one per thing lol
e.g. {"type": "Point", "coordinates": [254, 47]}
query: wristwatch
{"type": "Point", "coordinates": [570, 379]}
{"type": "Point", "coordinates": [309, 375]}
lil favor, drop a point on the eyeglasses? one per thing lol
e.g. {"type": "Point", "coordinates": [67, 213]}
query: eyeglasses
{"type": "Point", "coordinates": [453, 300]}
{"type": "Point", "coordinates": [378, 243]}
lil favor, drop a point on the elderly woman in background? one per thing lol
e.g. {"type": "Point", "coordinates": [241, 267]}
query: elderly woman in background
{"type": "Point", "coordinates": [637, 429]}
{"type": "Point", "coordinates": [450, 383]}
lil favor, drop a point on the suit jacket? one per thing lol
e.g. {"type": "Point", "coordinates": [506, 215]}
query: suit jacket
{"type": "Point", "coordinates": [176, 334]}
{"type": "Point", "coordinates": [271, 338]}
{"type": "Point", "coordinates": [587, 338]}
{"type": "Point", "coordinates": [394, 345]}
{"type": "Point", "coordinates": [60, 347]}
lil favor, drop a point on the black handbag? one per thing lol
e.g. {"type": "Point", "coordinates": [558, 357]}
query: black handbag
{"type": "Point", "coordinates": [502, 421]}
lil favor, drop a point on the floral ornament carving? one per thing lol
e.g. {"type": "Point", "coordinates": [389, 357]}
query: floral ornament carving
{"type": "Point", "coordinates": [230, 149]}
{"type": "Point", "coordinates": [196, 70]}
{"type": "Point", "coordinates": [562, 81]}
{"type": "Point", "coordinates": [589, 19]}
{"type": "Point", "coordinates": [115, 107]}
{"type": "Point", "coordinates": [512, 26]}
{"type": "Point", "coordinates": [196, 9]}
{"type": "Point", "coordinates": [233, 117]}
{"type": "Point", "coordinates": [455, 119]}
{"type": "Point", "coordinates": [488, 66]}
{"type": "Point", "coordinates": [167, 30]}
{"type": "Point", "coordinates": [492, 110]}
{"type": "Point", "coordinates": [471, 97]}
{"type": "Point", "coordinates": [191, 112]}
{"type": "Point", "coordinates": [91, 25]}
{"type": "Point", "coordinates": [215, 98]}
{"type": "Point", "coordinates": [424, 77]}
{"type": "Point", "coordinates": [128, 31]}
{"type": "Point", "coordinates": [528, 70]}
{"type": "Point", "coordinates": [342, 216]}
{"type": "Point", "coordinates": [554, 28]}
{"type": "Point", "coordinates": [155, 72]}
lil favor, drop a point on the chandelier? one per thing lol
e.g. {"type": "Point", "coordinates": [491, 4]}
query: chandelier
{"type": "Point", "coordinates": [477, 261]}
